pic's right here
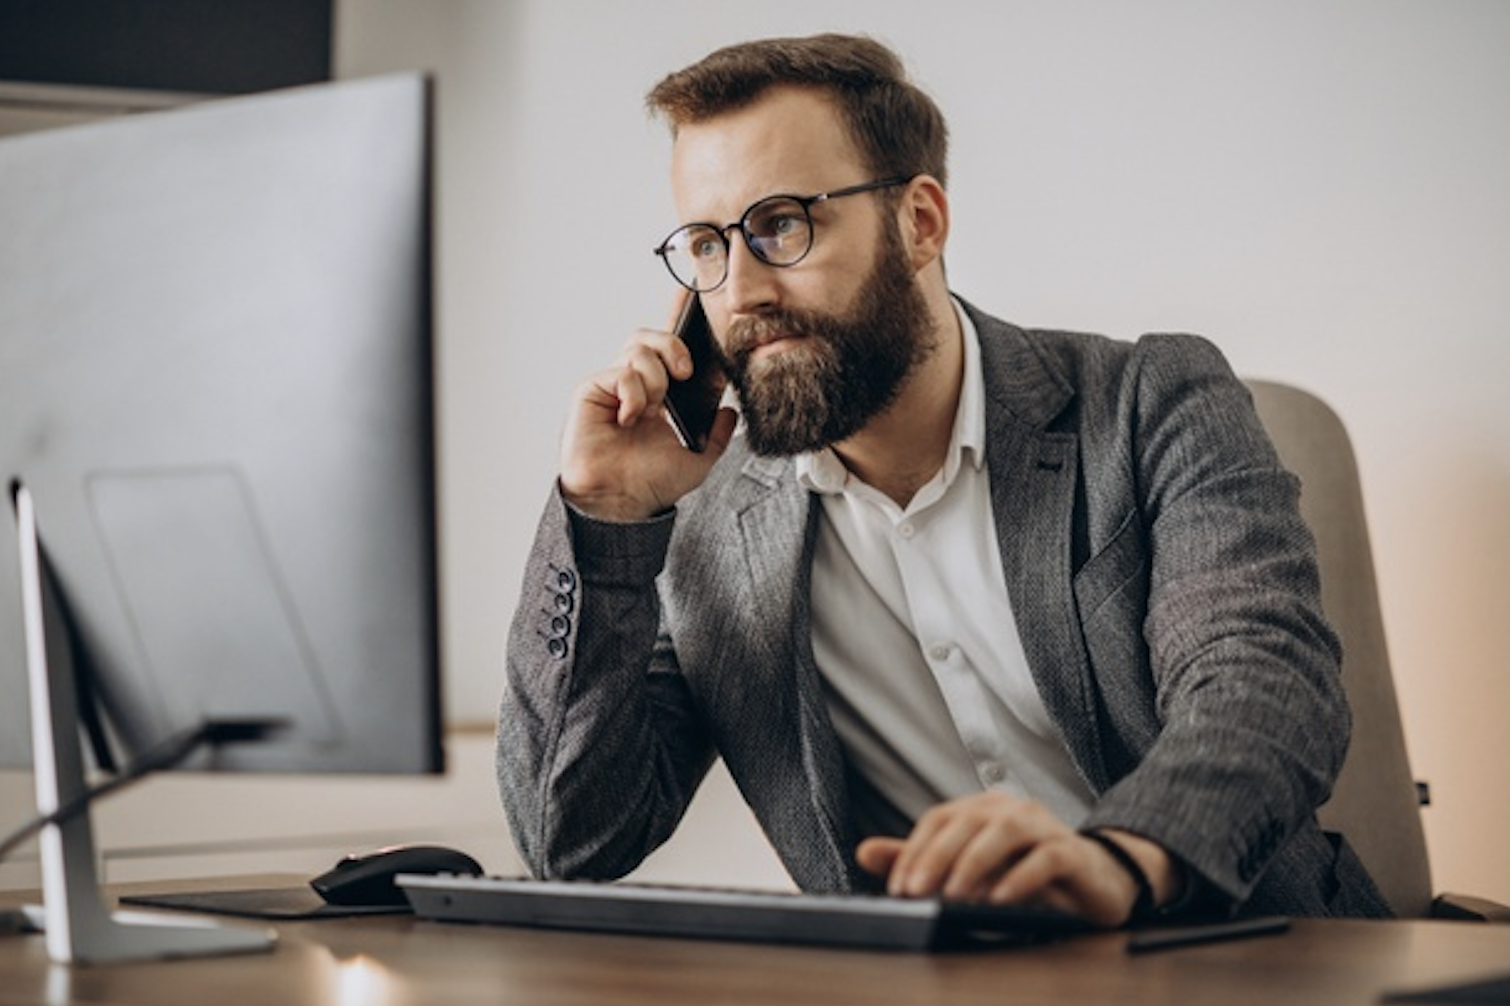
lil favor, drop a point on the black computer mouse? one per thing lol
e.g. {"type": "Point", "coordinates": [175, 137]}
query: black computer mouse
{"type": "Point", "coordinates": [367, 879]}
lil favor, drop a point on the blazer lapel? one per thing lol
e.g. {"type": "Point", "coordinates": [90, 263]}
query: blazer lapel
{"type": "Point", "coordinates": [1034, 473]}
{"type": "Point", "coordinates": [777, 523]}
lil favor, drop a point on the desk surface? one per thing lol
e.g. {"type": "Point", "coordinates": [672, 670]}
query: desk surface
{"type": "Point", "coordinates": [397, 961]}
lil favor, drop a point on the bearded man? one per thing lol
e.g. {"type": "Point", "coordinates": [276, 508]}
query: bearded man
{"type": "Point", "coordinates": [968, 610]}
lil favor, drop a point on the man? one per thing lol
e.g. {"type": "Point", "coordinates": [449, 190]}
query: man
{"type": "Point", "coordinates": [967, 610]}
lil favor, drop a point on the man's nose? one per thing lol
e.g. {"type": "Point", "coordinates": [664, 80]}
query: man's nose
{"type": "Point", "coordinates": [751, 284]}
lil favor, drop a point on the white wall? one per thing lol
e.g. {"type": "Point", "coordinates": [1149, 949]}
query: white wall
{"type": "Point", "coordinates": [1320, 186]}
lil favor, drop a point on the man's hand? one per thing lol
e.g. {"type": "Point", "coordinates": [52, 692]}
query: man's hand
{"type": "Point", "coordinates": [620, 459]}
{"type": "Point", "coordinates": [995, 848]}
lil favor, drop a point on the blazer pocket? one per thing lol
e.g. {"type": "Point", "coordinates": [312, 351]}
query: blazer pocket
{"type": "Point", "coordinates": [1116, 575]}
{"type": "Point", "coordinates": [1111, 592]}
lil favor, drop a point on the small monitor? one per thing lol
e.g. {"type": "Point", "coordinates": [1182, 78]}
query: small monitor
{"type": "Point", "coordinates": [216, 387]}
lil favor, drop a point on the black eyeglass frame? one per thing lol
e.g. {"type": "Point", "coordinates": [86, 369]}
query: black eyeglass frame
{"type": "Point", "coordinates": [743, 223]}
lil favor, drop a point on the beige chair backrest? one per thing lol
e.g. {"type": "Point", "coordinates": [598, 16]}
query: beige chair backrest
{"type": "Point", "coordinates": [1375, 802]}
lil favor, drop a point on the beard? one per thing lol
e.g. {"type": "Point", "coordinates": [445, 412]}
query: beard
{"type": "Point", "coordinates": [846, 369]}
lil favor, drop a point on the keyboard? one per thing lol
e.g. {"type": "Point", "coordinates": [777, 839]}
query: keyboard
{"type": "Point", "coordinates": [844, 920]}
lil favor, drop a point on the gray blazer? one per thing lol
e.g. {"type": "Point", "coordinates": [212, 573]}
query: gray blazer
{"type": "Point", "coordinates": [1165, 590]}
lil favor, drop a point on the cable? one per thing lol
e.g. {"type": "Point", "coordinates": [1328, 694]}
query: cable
{"type": "Point", "coordinates": [162, 756]}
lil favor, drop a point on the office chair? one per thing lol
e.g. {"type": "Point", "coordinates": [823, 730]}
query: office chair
{"type": "Point", "coordinates": [1376, 802]}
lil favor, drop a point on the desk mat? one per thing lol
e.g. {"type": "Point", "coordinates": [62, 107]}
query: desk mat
{"type": "Point", "coordinates": [288, 903]}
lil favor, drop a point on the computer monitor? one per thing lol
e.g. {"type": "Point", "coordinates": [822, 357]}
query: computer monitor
{"type": "Point", "coordinates": [216, 407]}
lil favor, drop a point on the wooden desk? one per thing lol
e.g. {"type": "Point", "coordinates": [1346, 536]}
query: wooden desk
{"type": "Point", "coordinates": [399, 961]}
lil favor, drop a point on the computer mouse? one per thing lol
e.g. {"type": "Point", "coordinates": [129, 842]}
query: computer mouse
{"type": "Point", "coordinates": [367, 879]}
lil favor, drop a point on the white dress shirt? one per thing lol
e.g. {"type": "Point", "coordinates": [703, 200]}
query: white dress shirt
{"type": "Point", "coordinates": [926, 678]}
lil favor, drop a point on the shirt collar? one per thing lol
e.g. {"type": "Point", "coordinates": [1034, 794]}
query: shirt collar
{"type": "Point", "coordinates": [822, 472]}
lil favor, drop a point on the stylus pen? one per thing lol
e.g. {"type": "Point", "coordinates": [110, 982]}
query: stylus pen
{"type": "Point", "coordinates": [1168, 937]}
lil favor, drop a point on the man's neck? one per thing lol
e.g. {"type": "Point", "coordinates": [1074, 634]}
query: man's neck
{"type": "Point", "coordinates": [900, 450]}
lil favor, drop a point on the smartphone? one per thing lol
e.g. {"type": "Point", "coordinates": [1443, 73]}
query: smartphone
{"type": "Point", "coordinates": [692, 405]}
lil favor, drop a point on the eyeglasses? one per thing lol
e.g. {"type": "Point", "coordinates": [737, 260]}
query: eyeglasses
{"type": "Point", "coordinates": [778, 230]}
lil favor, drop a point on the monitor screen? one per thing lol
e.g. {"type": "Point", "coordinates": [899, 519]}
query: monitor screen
{"type": "Point", "coordinates": [216, 387]}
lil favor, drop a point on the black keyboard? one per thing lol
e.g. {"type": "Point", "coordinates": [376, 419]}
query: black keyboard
{"type": "Point", "coordinates": [850, 920]}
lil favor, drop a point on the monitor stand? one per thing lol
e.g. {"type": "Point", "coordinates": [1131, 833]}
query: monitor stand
{"type": "Point", "coordinates": [80, 929]}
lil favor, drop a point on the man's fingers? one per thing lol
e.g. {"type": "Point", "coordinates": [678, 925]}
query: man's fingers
{"type": "Point", "coordinates": [959, 848]}
{"type": "Point", "coordinates": [1069, 874]}
{"type": "Point", "coordinates": [620, 459]}
{"type": "Point", "coordinates": [877, 856]}
{"type": "Point", "coordinates": [641, 381]}
{"type": "Point", "coordinates": [929, 854]}
{"type": "Point", "coordinates": [994, 848]}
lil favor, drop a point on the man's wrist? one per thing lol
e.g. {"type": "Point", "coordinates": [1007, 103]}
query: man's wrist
{"type": "Point", "coordinates": [1159, 880]}
{"type": "Point", "coordinates": [1166, 876]}
{"type": "Point", "coordinates": [1142, 907]}
{"type": "Point", "coordinates": [608, 509]}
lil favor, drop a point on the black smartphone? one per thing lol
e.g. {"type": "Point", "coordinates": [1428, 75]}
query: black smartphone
{"type": "Point", "coordinates": [693, 404]}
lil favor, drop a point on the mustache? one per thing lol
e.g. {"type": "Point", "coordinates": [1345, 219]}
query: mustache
{"type": "Point", "coordinates": [745, 335]}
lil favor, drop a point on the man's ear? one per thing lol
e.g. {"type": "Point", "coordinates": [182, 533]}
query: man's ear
{"type": "Point", "coordinates": [924, 214]}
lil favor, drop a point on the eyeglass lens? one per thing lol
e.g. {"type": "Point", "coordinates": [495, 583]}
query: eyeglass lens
{"type": "Point", "coordinates": [778, 230]}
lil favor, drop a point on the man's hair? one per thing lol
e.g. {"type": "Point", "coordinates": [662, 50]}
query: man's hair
{"type": "Point", "coordinates": [897, 128]}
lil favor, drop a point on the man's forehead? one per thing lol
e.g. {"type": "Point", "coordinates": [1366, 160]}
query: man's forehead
{"type": "Point", "coordinates": [789, 140]}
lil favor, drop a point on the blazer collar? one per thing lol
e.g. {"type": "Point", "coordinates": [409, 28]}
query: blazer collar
{"type": "Point", "coordinates": [1019, 379]}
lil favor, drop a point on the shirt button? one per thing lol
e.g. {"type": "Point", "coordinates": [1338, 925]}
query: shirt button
{"type": "Point", "coordinates": [905, 530]}
{"type": "Point", "coordinates": [939, 651]}
{"type": "Point", "coordinates": [993, 772]}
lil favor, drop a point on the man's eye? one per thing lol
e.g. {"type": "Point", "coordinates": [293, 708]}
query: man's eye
{"type": "Point", "coordinates": [704, 244]}
{"type": "Point", "coordinates": [777, 220]}
{"type": "Point", "coordinates": [784, 226]}
{"type": "Point", "coordinates": [776, 225]}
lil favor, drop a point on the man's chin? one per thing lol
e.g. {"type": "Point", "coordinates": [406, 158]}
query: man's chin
{"type": "Point", "coordinates": [767, 445]}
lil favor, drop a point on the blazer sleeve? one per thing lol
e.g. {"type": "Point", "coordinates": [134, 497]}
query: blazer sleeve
{"type": "Point", "coordinates": [1253, 722]}
{"type": "Point", "coordinates": [598, 751]}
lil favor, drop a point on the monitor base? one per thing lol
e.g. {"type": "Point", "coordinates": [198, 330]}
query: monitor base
{"type": "Point", "coordinates": [79, 928]}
